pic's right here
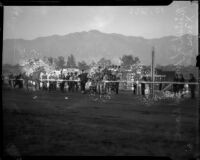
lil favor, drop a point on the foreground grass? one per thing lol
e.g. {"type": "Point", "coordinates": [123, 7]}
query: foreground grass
{"type": "Point", "coordinates": [53, 125]}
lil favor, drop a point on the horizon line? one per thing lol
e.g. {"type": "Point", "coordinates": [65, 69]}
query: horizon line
{"type": "Point", "coordinates": [95, 30]}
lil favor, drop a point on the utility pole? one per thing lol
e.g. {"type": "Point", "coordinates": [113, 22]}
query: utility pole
{"type": "Point", "coordinates": [198, 108]}
{"type": "Point", "coordinates": [152, 70]}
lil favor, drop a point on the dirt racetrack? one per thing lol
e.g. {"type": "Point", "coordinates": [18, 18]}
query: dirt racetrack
{"type": "Point", "coordinates": [51, 124]}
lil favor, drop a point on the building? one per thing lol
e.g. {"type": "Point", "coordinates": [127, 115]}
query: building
{"type": "Point", "coordinates": [169, 75]}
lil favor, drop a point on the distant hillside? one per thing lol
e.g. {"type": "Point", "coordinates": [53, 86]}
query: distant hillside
{"type": "Point", "coordinates": [93, 45]}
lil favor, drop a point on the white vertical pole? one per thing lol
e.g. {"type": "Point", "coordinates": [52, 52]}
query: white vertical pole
{"type": "Point", "coordinates": [152, 69]}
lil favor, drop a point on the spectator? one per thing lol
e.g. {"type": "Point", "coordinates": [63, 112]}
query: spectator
{"type": "Point", "coordinates": [83, 79]}
{"type": "Point", "coordinates": [44, 81]}
{"type": "Point", "coordinates": [105, 84]}
{"type": "Point", "coordinates": [175, 86]}
{"type": "Point", "coordinates": [76, 81]}
{"type": "Point", "coordinates": [18, 81]}
{"type": "Point", "coordinates": [160, 85]}
{"type": "Point", "coordinates": [11, 80]}
{"type": "Point", "coordinates": [117, 78]}
{"type": "Point", "coordinates": [71, 83]}
{"type": "Point", "coordinates": [134, 88]}
{"type": "Point", "coordinates": [25, 80]}
{"type": "Point", "coordinates": [51, 82]}
{"type": "Point", "coordinates": [2, 79]}
{"type": "Point", "coordinates": [181, 86]}
{"type": "Point", "coordinates": [54, 81]}
{"type": "Point", "coordinates": [99, 78]}
{"type": "Point", "coordinates": [62, 84]}
{"type": "Point", "coordinates": [143, 85]}
{"type": "Point", "coordinates": [192, 86]}
{"type": "Point", "coordinates": [67, 77]}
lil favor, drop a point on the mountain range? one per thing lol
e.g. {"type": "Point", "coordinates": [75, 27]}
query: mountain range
{"type": "Point", "coordinates": [93, 45]}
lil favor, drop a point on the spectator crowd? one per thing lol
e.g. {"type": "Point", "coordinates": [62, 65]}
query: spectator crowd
{"type": "Point", "coordinates": [87, 82]}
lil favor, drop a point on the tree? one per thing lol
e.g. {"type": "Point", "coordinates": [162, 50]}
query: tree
{"type": "Point", "coordinates": [146, 69]}
{"type": "Point", "coordinates": [71, 63]}
{"type": "Point", "coordinates": [50, 60]}
{"type": "Point", "coordinates": [60, 62]}
{"type": "Point", "coordinates": [83, 65]}
{"type": "Point", "coordinates": [104, 62]}
{"type": "Point", "coordinates": [92, 64]}
{"type": "Point", "coordinates": [33, 65]}
{"type": "Point", "coordinates": [128, 61]}
{"type": "Point", "coordinates": [6, 68]}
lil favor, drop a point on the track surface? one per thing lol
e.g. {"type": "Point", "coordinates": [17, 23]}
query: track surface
{"type": "Point", "coordinates": [50, 125]}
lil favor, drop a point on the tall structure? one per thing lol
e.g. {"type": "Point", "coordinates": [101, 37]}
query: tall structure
{"type": "Point", "coordinates": [152, 70]}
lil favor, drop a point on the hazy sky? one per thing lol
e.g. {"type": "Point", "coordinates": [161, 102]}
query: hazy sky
{"type": "Point", "coordinates": [149, 22]}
